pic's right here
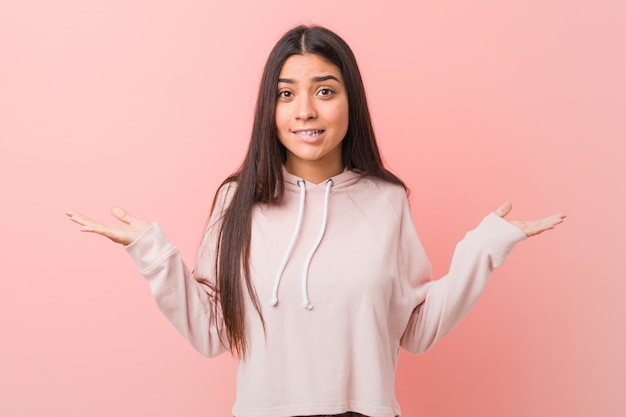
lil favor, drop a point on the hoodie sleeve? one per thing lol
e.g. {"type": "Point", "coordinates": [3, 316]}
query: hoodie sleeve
{"type": "Point", "coordinates": [441, 304]}
{"type": "Point", "coordinates": [185, 298]}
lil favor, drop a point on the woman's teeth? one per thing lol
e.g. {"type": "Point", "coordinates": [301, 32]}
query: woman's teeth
{"type": "Point", "coordinates": [312, 132]}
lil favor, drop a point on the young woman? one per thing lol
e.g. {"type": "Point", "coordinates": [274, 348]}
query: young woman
{"type": "Point", "coordinates": [310, 269]}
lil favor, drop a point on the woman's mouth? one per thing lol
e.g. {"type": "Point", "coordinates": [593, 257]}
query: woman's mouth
{"type": "Point", "coordinates": [309, 135]}
{"type": "Point", "coordinates": [311, 132]}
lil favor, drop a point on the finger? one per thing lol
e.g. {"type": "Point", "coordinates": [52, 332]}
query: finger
{"type": "Point", "coordinates": [551, 221]}
{"type": "Point", "coordinates": [535, 227]}
{"type": "Point", "coordinates": [122, 214]}
{"type": "Point", "coordinates": [504, 209]}
{"type": "Point", "coordinates": [80, 218]}
{"type": "Point", "coordinates": [110, 231]}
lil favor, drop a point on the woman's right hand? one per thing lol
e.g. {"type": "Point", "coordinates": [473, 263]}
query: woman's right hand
{"type": "Point", "coordinates": [120, 233]}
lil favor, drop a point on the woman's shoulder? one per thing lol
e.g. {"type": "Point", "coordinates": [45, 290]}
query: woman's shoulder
{"type": "Point", "coordinates": [391, 190]}
{"type": "Point", "coordinates": [225, 193]}
{"type": "Point", "coordinates": [379, 192]}
{"type": "Point", "coordinates": [221, 200]}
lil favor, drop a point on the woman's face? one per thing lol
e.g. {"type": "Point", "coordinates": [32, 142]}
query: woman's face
{"type": "Point", "coordinates": [311, 116]}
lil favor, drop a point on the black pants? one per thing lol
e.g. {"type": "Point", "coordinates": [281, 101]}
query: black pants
{"type": "Point", "coordinates": [348, 414]}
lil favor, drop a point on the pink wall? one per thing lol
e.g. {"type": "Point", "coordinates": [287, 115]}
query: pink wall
{"type": "Point", "coordinates": [148, 105]}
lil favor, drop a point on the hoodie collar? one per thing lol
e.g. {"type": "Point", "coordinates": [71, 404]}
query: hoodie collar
{"type": "Point", "coordinates": [344, 179]}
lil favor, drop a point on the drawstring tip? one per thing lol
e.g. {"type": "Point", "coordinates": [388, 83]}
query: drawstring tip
{"type": "Point", "coordinates": [308, 306]}
{"type": "Point", "coordinates": [274, 301]}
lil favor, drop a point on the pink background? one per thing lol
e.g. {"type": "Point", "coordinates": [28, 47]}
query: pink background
{"type": "Point", "coordinates": [148, 105]}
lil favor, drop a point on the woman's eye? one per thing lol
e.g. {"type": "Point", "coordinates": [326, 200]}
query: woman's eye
{"type": "Point", "coordinates": [284, 94]}
{"type": "Point", "coordinates": [325, 92]}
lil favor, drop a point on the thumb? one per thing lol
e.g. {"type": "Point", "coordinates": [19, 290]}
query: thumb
{"type": "Point", "coordinates": [504, 209]}
{"type": "Point", "coordinates": [122, 215]}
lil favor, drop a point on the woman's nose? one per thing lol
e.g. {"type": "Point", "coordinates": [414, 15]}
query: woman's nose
{"type": "Point", "coordinates": [305, 109]}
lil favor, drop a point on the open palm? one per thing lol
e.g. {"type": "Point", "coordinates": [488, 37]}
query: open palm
{"type": "Point", "coordinates": [125, 233]}
{"type": "Point", "coordinates": [531, 227]}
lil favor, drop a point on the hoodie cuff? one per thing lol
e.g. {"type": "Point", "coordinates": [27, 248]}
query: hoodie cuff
{"type": "Point", "coordinates": [499, 236]}
{"type": "Point", "coordinates": [150, 247]}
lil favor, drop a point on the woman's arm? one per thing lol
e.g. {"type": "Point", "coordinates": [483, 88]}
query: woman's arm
{"type": "Point", "coordinates": [445, 301]}
{"type": "Point", "coordinates": [187, 302]}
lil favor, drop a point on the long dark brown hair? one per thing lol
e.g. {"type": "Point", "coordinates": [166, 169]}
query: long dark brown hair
{"type": "Point", "coordinates": [259, 179]}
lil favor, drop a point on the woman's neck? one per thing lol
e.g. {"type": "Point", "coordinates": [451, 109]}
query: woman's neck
{"type": "Point", "coordinates": [314, 171]}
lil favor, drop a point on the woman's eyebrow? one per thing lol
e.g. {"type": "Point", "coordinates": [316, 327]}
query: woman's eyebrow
{"type": "Point", "coordinates": [314, 79]}
{"type": "Point", "coordinates": [324, 78]}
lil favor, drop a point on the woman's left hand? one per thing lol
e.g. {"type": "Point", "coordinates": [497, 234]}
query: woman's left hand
{"type": "Point", "coordinates": [531, 227]}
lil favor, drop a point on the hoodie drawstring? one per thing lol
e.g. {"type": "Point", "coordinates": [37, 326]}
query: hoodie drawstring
{"type": "Point", "coordinates": [305, 268]}
{"type": "Point", "coordinates": [296, 231]}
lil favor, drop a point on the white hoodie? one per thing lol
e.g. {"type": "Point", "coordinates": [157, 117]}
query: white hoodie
{"type": "Point", "coordinates": [343, 282]}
